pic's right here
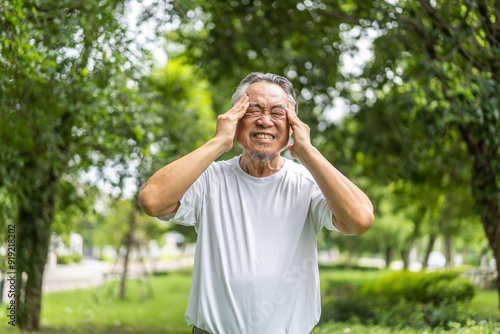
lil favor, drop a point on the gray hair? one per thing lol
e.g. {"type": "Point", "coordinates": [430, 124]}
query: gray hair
{"type": "Point", "coordinates": [269, 77]}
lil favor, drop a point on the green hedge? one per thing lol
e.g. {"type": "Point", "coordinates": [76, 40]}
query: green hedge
{"type": "Point", "coordinates": [402, 299]}
{"type": "Point", "coordinates": [68, 259]}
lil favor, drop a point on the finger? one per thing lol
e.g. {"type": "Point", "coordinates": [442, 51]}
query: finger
{"type": "Point", "coordinates": [242, 98]}
{"type": "Point", "coordinates": [242, 110]}
{"type": "Point", "coordinates": [241, 105]}
{"type": "Point", "coordinates": [292, 117]}
{"type": "Point", "coordinates": [241, 101]}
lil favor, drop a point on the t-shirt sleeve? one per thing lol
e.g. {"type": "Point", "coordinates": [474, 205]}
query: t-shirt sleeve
{"type": "Point", "coordinates": [320, 211]}
{"type": "Point", "coordinates": [191, 202]}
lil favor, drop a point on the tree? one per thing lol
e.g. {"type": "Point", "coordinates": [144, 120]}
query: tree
{"type": "Point", "coordinates": [68, 102]}
{"type": "Point", "coordinates": [446, 58]}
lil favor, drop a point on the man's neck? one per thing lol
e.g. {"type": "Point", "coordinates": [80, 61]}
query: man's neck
{"type": "Point", "coordinates": [259, 168]}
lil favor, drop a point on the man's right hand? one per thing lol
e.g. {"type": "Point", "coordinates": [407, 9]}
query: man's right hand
{"type": "Point", "coordinates": [228, 122]}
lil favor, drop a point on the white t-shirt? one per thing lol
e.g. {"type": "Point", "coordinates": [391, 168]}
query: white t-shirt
{"type": "Point", "coordinates": [255, 268]}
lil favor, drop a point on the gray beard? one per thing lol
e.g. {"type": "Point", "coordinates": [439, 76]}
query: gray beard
{"type": "Point", "coordinates": [261, 156]}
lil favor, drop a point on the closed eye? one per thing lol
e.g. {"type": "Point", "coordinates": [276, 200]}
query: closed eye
{"type": "Point", "coordinates": [253, 113]}
{"type": "Point", "coordinates": [278, 113]}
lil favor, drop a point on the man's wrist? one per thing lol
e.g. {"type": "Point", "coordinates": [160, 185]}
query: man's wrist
{"type": "Point", "coordinates": [308, 155]}
{"type": "Point", "coordinates": [304, 153]}
{"type": "Point", "coordinates": [218, 145]}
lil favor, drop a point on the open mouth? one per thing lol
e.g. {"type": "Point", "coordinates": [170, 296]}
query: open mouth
{"type": "Point", "coordinates": [263, 136]}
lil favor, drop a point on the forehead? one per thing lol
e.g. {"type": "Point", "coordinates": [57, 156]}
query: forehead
{"type": "Point", "coordinates": [267, 92]}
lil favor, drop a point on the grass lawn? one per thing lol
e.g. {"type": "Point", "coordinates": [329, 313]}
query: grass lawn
{"type": "Point", "coordinates": [485, 303]}
{"type": "Point", "coordinates": [80, 312]}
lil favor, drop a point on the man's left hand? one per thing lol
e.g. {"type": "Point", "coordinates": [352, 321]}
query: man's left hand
{"type": "Point", "coordinates": [301, 134]}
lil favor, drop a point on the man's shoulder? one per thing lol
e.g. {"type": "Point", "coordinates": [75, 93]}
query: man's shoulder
{"type": "Point", "coordinates": [294, 168]}
{"type": "Point", "coordinates": [222, 165]}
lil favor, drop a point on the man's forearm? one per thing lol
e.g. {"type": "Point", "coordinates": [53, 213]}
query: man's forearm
{"type": "Point", "coordinates": [351, 208]}
{"type": "Point", "coordinates": [161, 193]}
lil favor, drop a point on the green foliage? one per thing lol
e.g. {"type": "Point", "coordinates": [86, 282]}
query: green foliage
{"type": "Point", "coordinates": [471, 327]}
{"type": "Point", "coordinates": [76, 212]}
{"type": "Point", "coordinates": [182, 118]}
{"type": "Point", "coordinates": [113, 225]}
{"type": "Point", "coordinates": [67, 103]}
{"type": "Point", "coordinates": [390, 232]}
{"type": "Point", "coordinates": [68, 259]}
{"type": "Point", "coordinates": [431, 116]}
{"type": "Point", "coordinates": [334, 277]}
{"type": "Point", "coordinates": [403, 298]}
{"type": "Point", "coordinates": [436, 288]}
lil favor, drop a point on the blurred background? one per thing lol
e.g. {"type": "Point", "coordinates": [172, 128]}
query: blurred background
{"type": "Point", "coordinates": [401, 96]}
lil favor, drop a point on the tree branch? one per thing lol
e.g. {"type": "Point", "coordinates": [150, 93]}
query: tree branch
{"type": "Point", "coordinates": [418, 29]}
{"type": "Point", "coordinates": [486, 23]}
{"type": "Point", "coordinates": [497, 15]}
{"type": "Point", "coordinates": [468, 139]}
{"type": "Point", "coordinates": [447, 31]}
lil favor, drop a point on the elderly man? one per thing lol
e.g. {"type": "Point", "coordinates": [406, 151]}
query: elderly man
{"type": "Point", "coordinates": [257, 215]}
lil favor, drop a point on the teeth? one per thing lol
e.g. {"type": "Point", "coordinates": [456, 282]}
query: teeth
{"type": "Point", "coordinates": [263, 136]}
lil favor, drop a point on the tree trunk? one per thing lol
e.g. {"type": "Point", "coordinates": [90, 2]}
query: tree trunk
{"type": "Point", "coordinates": [129, 242]}
{"type": "Point", "coordinates": [36, 213]}
{"type": "Point", "coordinates": [405, 257]}
{"type": "Point", "coordinates": [389, 253]}
{"type": "Point", "coordinates": [405, 252]}
{"type": "Point", "coordinates": [486, 198]}
{"type": "Point", "coordinates": [485, 191]}
{"type": "Point", "coordinates": [448, 251]}
{"type": "Point", "coordinates": [428, 251]}
{"type": "Point", "coordinates": [349, 256]}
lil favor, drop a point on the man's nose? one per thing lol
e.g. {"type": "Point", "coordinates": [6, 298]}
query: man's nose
{"type": "Point", "coordinates": [265, 120]}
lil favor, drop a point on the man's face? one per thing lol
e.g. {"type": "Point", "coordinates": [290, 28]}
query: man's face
{"type": "Point", "coordinates": [264, 130]}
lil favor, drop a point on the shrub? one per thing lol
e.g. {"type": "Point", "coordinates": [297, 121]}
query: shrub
{"type": "Point", "coordinates": [64, 259]}
{"type": "Point", "coordinates": [76, 258]}
{"type": "Point", "coordinates": [402, 299]}
{"type": "Point", "coordinates": [104, 257]}
{"type": "Point", "coordinates": [67, 259]}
